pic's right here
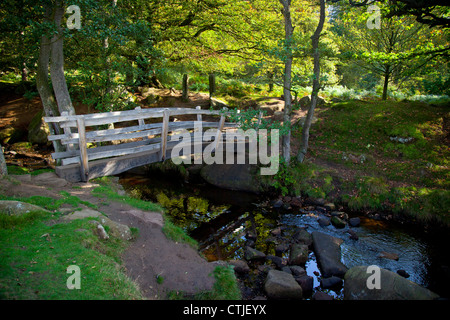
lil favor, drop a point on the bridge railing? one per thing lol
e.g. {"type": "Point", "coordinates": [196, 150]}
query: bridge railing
{"type": "Point", "coordinates": [81, 131]}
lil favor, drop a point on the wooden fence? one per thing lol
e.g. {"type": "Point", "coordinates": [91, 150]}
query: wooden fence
{"type": "Point", "coordinates": [112, 142]}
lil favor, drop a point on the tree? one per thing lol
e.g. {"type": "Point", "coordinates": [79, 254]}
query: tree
{"type": "Point", "coordinates": [286, 138]}
{"type": "Point", "coordinates": [3, 168]}
{"type": "Point", "coordinates": [394, 51]}
{"type": "Point", "coordinates": [315, 39]}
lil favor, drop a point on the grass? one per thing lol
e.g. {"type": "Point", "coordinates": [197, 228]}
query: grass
{"type": "Point", "coordinates": [35, 254]}
{"type": "Point", "coordinates": [50, 203]}
{"type": "Point", "coordinates": [356, 138]}
{"type": "Point", "coordinates": [16, 170]}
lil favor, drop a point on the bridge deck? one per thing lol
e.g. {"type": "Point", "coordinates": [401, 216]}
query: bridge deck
{"type": "Point", "coordinates": [133, 145]}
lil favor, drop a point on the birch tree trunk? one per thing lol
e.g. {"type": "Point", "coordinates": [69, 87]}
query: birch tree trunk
{"type": "Point", "coordinates": [57, 63]}
{"type": "Point", "coordinates": [287, 81]}
{"type": "Point", "coordinates": [42, 81]}
{"type": "Point", "coordinates": [3, 168]}
{"type": "Point", "coordinates": [316, 85]}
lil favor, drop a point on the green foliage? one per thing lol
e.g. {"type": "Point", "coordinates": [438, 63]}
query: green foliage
{"type": "Point", "coordinates": [106, 191]}
{"type": "Point", "coordinates": [177, 234]}
{"type": "Point", "coordinates": [50, 203]}
{"type": "Point", "coordinates": [302, 178]}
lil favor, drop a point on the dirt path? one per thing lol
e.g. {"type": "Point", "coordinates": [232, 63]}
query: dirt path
{"type": "Point", "coordinates": [179, 266]}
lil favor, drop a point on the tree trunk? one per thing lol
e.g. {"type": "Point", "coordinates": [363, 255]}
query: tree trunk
{"type": "Point", "coordinates": [57, 63]}
{"type": "Point", "coordinates": [271, 80]}
{"type": "Point", "coordinates": [212, 85]}
{"type": "Point", "coordinates": [387, 74]}
{"type": "Point", "coordinates": [3, 168]}
{"type": "Point", "coordinates": [185, 95]}
{"type": "Point", "coordinates": [42, 83]}
{"type": "Point", "coordinates": [316, 85]}
{"type": "Point", "coordinates": [286, 139]}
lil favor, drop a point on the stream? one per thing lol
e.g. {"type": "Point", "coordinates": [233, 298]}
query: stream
{"type": "Point", "coordinates": [223, 222]}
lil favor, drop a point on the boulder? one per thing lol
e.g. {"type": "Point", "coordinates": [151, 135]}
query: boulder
{"type": "Point", "coordinates": [240, 266]}
{"type": "Point", "coordinates": [298, 254]}
{"type": "Point", "coordinates": [331, 282]}
{"type": "Point", "coordinates": [328, 252]}
{"type": "Point", "coordinates": [354, 222]}
{"type": "Point", "coordinates": [338, 222]}
{"type": "Point", "coordinates": [242, 177]}
{"type": "Point", "coordinates": [49, 179]}
{"type": "Point", "coordinates": [297, 271]}
{"type": "Point", "coordinates": [116, 229]}
{"type": "Point", "coordinates": [323, 221]}
{"type": "Point", "coordinates": [306, 283]}
{"type": "Point", "coordinates": [251, 254]}
{"type": "Point", "coordinates": [302, 236]}
{"type": "Point", "coordinates": [305, 102]}
{"type": "Point", "coordinates": [392, 286]}
{"type": "Point", "coordinates": [38, 129]}
{"type": "Point", "coordinates": [277, 261]}
{"type": "Point", "coordinates": [85, 213]}
{"type": "Point", "coordinates": [281, 285]}
{"type": "Point", "coordinates": [281, 248]}
{"type": "Point", "coordinates": [17, 208]}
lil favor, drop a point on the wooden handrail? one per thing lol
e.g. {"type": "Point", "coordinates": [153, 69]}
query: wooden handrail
{"type": "Point", "coordinates": [82, 155]}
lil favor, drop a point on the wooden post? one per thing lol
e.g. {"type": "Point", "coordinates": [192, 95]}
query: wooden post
{"type": "Point", "coordinates": [219, 130]}
{"type": "Point", "coordinates": [68, 132]}
{"type": "Point", "coordinates": [199, 116]}
{"type": "Point", "coordinates": [164, 132]}
{"type": "Point", "coordinates": [84, 166]}
{"type": "Point", "coordinates": [185, 95]}
{"type": "Point", "coordinates": [259, 119]}
{"type": "Point", "coordinates": [141, 122]}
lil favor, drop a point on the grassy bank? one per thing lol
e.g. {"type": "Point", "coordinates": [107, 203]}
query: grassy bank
{"type": "Point", "coordinates": [35, 254]}
{"type": "Point", "coordinates": [35, 251]}
{"type": "Point", "coordinates": [379, 155]}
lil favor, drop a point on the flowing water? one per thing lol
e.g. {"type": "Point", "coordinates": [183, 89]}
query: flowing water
{"type": "Point", "coordinates": [223, 222]}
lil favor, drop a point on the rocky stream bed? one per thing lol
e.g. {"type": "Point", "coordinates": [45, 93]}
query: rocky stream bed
{"type": "Point", "coordinates": [301, 248]}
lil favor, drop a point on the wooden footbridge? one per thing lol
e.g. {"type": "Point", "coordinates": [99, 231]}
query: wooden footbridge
{"type": "Point", "coordinates": [109, 143]}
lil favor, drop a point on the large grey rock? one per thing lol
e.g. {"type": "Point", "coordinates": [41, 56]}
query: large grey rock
{"type": "Point", "coordinates": [328, 252]}
{"type": "Point", "coordinates": [240, 266]}
{"type": "Point", "coordinates": [302, 236]}
{"type": "Point", "coordinates": [49, 179]}
{"type": "Point", "coordinates": [338, 222]}
{"type": "Point", "coordinates": [38, 130]}
{"type": "Point", "coordinates": [251, 254]}
{"type": "Point", "coordinates": [298, 254]}
{"type": "Point", "coordinates": [240, 177]}
{"type": "Point", "coordinates": [11, 207]}
{"type": "Point", "coordinates": [85, 213]}
{"type": "Point", "coordinates": [116, 229]}
{"type": "Point", "coordinates": [392, 286]}
{"type": "Point", "coordinates": [281, 286]}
